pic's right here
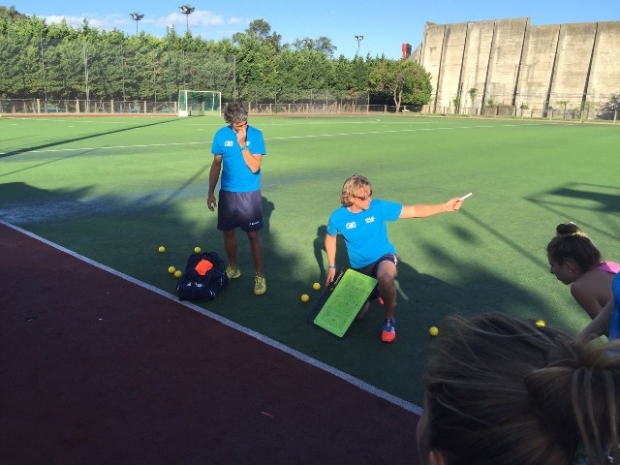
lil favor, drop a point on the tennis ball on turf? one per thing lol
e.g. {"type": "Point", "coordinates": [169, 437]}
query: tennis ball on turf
{"type": "Point", "coordinates": [540, 323]}
{"type": "Point", "coordinates": [316, 286]}
{"type": "Point", "coordinates": [161, 249]}
{"type": "Point", "coordinates": [197, 249]}
{"type": "Point", "coordinates": [433, 331]}
{"type": "Point", "coordinates": [171, 269]}
{"type": "Point", "coordinates": [305, 298]}
{"type": "Point", "coordinates": [177, 274]}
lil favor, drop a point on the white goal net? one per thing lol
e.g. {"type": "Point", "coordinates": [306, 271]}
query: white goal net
{"type": "Point", "coordinates": [199, 102]}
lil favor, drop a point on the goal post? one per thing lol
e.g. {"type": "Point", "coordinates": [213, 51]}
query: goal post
{"type": "Point", "coordinates": [200, 102]}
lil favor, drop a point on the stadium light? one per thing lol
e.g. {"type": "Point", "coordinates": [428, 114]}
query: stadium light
{"type": "Point", "coordinates": [359, 39]}
{"type": "Point", "coordinates": [136, 17]}
{"type": "Point", "coordinates": [186, 10]}
{"type": "Point", "coordinates": [169, 32]}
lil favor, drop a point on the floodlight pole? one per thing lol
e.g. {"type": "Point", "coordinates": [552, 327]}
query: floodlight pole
{"type": "Point", "coordinates": [186, 10]}
{"type": "Point", "coordinates": [136, 17]}
{"type": "Point", "coordinates": [169, 30]}
{"type": "Point", "coordinates": [359, 39]}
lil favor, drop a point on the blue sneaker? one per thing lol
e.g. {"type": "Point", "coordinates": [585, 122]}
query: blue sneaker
{"type": "Point", "coordinates": [389, 331]}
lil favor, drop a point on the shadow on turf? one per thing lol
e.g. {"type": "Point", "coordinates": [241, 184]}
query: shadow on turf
{"type": "Point", "coordinates": [319, 251]}
{"type": "Point", "coordinates": [561, 198]}
{"type": "Point", "coordinates": [65, 141]}
{"type": "Point", "coordinates": [607, 202]}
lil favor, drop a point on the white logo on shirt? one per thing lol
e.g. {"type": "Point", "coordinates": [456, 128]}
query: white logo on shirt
{"type": "Point", "coordinates": [228, 143]}
{"type": "Point", "coordinates": [370, 219]}
{"type": "Point", "coordinates": [351, 225]}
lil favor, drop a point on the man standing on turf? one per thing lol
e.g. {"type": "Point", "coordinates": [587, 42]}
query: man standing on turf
{"type": "Point", "coordinates": [362, 221]}
{"type": "Point", "coordinates": [239, 149]}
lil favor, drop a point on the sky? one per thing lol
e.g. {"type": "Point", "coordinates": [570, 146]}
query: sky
{"type": "Point", "coordinates": [381, 27]}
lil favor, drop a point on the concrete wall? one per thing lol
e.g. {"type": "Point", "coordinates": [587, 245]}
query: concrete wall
{"type": "Point", "coordinates": [536, 69]}
{"type": "Point", "coordinates": [476, 63]}
{"type": "Point", "coordinates": [430, 55]}
{"type": "Point", "coordinates": [506, 55]}
{"type": "Point", "coordinates": [605, 70]}
{"type": "Point", "coordinates": [572, 64]}
{"type": "Point", "coordinates": [518, 68]}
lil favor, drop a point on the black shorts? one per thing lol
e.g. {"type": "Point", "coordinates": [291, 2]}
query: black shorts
{"type": "Point", "coordinates": [371, 270]}
{"type": "Point", "coordinates": [240, 210]}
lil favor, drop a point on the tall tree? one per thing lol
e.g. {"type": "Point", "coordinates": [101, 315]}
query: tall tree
{"type": "Point", "coordinates": [322, 45]}
{"type": "Point", "coordinates": [325, 46]}
{"type": "Point", "coordinates": [259, 30]}
{"type": "Point", "coordinates": [11, 14]}
{"type": "Point", "coordinates": [406, 81]}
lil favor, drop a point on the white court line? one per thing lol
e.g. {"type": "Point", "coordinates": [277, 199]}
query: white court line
{"type": "Point", "coordinates": [231, 324]}
{"type": "Point", "coordinates": [114, 147]}
{"type": "Point", "coordinates": [283, 138]}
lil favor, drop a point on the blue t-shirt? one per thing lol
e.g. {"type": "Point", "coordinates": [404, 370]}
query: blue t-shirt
{"type": "Point", "coordinates": [614, 329]}
{"type": "Point", "coordinates": [236, 176]}
{"type": "Point", "coordinates": [365, 233]}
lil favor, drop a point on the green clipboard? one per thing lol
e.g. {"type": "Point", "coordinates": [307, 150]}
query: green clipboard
{"type": "Point", "coordinates": [344, 302]}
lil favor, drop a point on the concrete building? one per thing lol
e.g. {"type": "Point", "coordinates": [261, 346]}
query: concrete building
{"type": "Point", "coordinates": [565, 70]}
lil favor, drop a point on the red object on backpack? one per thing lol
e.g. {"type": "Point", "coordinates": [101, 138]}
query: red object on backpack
{"type": "Point", "coordinates": [203, 267]}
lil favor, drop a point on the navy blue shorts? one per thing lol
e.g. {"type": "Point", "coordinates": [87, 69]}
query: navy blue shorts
{"type": "Point", "coordinates": [240, 210]}
{"type": "Point", "coordinates": [371, 270]}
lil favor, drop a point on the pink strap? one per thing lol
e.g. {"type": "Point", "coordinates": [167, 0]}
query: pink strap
{"type": "Point", "coordinates": [609, 267]}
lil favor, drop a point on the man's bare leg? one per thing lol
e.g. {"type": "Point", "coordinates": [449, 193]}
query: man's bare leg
{"type": "Point", "coordinates": [256, 247]}
{"type": "Point", "coordinates": [230, 245]}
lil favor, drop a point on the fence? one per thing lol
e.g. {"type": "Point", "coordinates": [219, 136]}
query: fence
{"type": "Point", "coordinates": [257, 99]}
{"type": "Point", "coordinates": [330, 107]}
{"type": "Point", "coordinates": [81, 107]}
{"type": "Point", "coordinates": [554, 106]}
{"type": "Point", "coordinates": [37, 106]}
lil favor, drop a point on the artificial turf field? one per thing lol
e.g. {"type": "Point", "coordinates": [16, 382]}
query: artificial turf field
{"type": "Point", "coordinates": [115, 189]}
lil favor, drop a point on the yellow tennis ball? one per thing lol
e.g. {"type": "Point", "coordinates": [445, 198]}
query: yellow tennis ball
{"type": "Point", "coordinates": [305, 298]}
{"type": "Point", "coordinates": [171, 269]}
{"type": "Point", "coordinates": [433, 331]}
{"type": "Point", "coordinates": [178, 273]}
{"type": "Point", "coordinates": [197, 249]}
{"type": "Point", "coordinates": [540, 323]}
{"type": "Point", "coordinates": [161, 249]}
{"type": "Point", "coordinates": [316, 286]}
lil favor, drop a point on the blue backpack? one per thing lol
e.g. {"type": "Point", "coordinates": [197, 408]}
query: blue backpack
{"type": "Point", "coordinates": [204, 277]}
